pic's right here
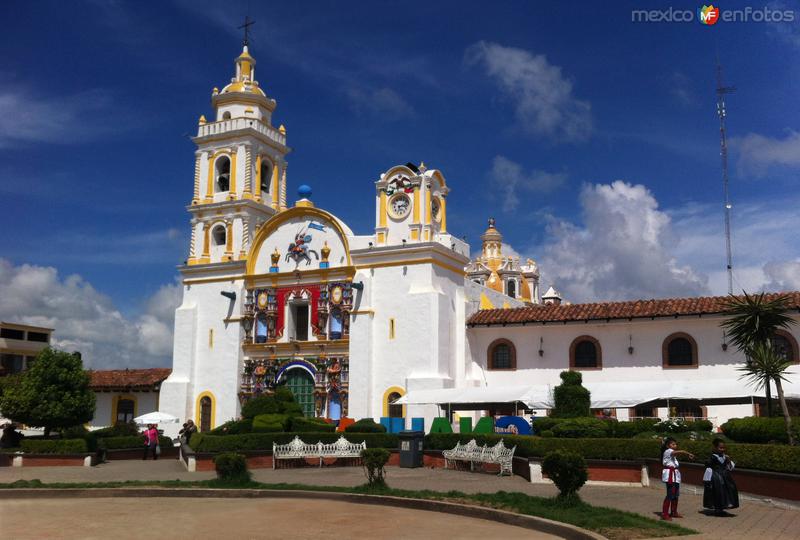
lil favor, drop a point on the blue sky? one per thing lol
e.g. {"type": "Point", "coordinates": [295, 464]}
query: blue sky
{"type": "Point", "coordinates": [592, 139]}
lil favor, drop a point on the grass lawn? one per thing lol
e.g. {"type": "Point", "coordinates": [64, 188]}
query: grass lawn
{"type": "Point", "coordinates": [612, 523]}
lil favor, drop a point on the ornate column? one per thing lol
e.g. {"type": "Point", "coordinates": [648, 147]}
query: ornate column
{"type": "Point", "coordinates": [192, 241]}
{"type": "Point", "coordinates": [245, 243]}
{"type": "Point", "coordinates": [196, 192]}
{"type": "Point", "coordinates": [274, 188]}
{"type": "Point", "coordinates": [205, 258]}
{"type": "Point", "coordinates": [210, 186]}
{"type": "Point", "coordinates": [248, 172]}
{"type": "Point", "coordinates": [229, 240]}
{"type": "Point", "coordinates": [232, 187]}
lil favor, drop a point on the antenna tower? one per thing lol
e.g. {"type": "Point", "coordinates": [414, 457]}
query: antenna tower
{"type": "Point", "coordinates": [723, 151]}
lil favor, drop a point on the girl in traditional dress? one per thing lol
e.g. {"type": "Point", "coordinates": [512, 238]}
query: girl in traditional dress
{"type": "Point", "coordinates": [671, 476]}
{"type": "Point", "coordinates": [720, 490]}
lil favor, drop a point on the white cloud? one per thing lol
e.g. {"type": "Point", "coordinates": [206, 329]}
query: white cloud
{"type": "Point", "coordinates": [757, 153]}
{"type": "Point", "coordinates": [513, 183]}
{"type": "Point", "coordinates": [681, 88]}
{"type": "Point", "coordinates": [542, 96]}
{"type": "Point", "coordinates": [26, 117]}
{"type": "Point", "coordinates": [623, 250]}
{"type": "Point", "coordinates": [383, 102]}
{"type": "Point", "coordinates": [783, 276]}
{"type": "Point", "coordinates": [86, 320]}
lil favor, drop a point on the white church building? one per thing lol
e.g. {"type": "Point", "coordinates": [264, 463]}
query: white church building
{"type": "Point", "coordinates": [400, 321]}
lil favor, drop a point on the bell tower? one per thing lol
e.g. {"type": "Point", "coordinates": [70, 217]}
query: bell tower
{"type": "Point", "coordinates": [239, 170]}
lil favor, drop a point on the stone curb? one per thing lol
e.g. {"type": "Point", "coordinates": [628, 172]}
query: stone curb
{"type": "Point", "coordinates": [562, 530]}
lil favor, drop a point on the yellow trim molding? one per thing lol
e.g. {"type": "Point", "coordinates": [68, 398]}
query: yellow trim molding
{"type": "Point", "coordinates": [115, 403]}
{"type": "Point", "coordinates": [210, 395]}
{"type": "Point", "coordinates": [276, 221]}
{"type": "Point", "coordinates": [390, 390]}
{"type": "Point", "coordinates": [428, 260]}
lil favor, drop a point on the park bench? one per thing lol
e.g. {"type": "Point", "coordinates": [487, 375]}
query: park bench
{"type": "Point", "coordinates": [473, 453]}
{"type": "Point", "coordinates": [297, 449]}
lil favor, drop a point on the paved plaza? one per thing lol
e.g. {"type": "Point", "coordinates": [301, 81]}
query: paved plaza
{"type": "Point", "coordinates": [758, 518]}
{"type": "Point", "coordinates": [238, 518]}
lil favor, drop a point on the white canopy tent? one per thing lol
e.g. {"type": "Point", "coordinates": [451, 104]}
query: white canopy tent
{"type": "Point", "coordinates": [604, 395]}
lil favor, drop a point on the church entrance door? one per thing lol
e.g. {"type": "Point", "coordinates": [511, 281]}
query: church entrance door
{"type": "Point", "coordinates": [302, 386]}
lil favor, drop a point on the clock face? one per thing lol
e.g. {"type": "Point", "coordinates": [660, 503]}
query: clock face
{"type": "Point", "coordinates": [336, 295]}
{"type": "Point", "coordinates": [262, 300]}
{"type": "Point", "coordinates": [399, 206]}
{"type": "Point", "coordinates": [436, 209]}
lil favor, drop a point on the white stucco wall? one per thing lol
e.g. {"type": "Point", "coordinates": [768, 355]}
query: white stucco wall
{"type": "Point", "coordinates": [144, 402]}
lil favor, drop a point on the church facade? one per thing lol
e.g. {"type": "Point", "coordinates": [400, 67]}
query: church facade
{"type": "Point", "coordinates": [277, 292]}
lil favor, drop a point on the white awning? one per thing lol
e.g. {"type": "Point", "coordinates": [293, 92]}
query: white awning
{"type": "Point", "coordinates": [603, 394]}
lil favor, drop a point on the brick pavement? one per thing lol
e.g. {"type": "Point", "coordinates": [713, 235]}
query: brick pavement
{"type": "Point", "coordinates": [758, 518]}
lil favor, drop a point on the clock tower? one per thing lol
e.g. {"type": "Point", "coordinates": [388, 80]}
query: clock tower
{"type": "Point", "coordinates": [410, 205]}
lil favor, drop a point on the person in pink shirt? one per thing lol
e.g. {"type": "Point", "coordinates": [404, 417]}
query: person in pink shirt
{"type": "Point", "coordinates": [150, 441]}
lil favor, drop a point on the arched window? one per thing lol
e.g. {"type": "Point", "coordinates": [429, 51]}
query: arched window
{"type": "Point", "coordinates": [502, 355]}
{"type": "Point", "coordinates": [223, 169]}
{"type": "Point", "coordinates": [585, 353]}
{"type": "Point", "coordinates": [266, 176]}
{"type": "Point", "coordinates": [226, 115]}
{"type": "Point", "coordinates": [511, 288]}
{"type": "Point", "coordinates": [218, 233]}
{"type": "Point", "coordinates": [785, 345]}
{"type": "Point", "coordinates": [395, 411]}
{"type": "Point", "coordinates": [205, 413]}
{"type": "Point", "coordinates": [679, 350]}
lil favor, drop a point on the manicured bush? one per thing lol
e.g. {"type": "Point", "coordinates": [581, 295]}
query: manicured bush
{"type": "Point", "coordinates": [632, 428]}
{"type": "Point", "coordinates": [375, 460]}
{"type": "Point", "coordinates": [270, 423]}
{"type": "Point", "coordinates": [54, 446]}
{"type": "Point", "coordinates": [311, 425]}
{"type": "Point", "coordinates": [130, 442]}
{"type": "Point", "coordinates": [266, 404]}
{"type": "Point", "coordinates": [571, 399]}
{"type": "Point", "coordinates": [567, 470]}
{"type": "Point", "coordinates": [777, 458]}
{"type": "Point", "coordinates": [231, 467]}
{"type": "Point", "coordinates": [544, 423]}
{"type": "Point", "coordinates": [547, 433]}
{"type": "Point", "coordinates": [575, 428]}
{"type": "Point", "coordinates": [120, 429]}
{"type": "Point", "coordinates": [204, 442]}
{"type": "Point", "coordinates": [234, 427]}
{"type": "Point", "coordinates": [365, 425]}
{"type": "Point", "coordinates": [756, 429]}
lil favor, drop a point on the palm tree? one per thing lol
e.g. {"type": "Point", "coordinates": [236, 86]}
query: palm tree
{"type": "Point", "coordinates": [765, 364]}
{"type": "Point", "coordinates": [751, 324]}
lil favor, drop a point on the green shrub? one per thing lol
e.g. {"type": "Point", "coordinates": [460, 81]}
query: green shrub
{"type": "Point", "coordinates": [54, 446]}
{"type": "Point", "coordinates": [120, 429]}
{"type": "Point", "coordinates": [374, 465]}
{"type": "Point", "coordinates": [232, 468]}
{"type": "Point", "coordinates": [204, 442]}
{"type": "Point", "coordinates": [129, 442]}
{"type": "Point", "coordinates": [311, 425]}
{"type": "Point", "coordinates": [265, 404]}
{"type": "Point", "coordinates": [365, 425]}
{"type": "Point", "coordinates": [756, 429]}
{"type": "Point", "coordinates": [270, 423]}
{"type": "Point", "coordinates": [632, 428]}
{"type": "Point", "coordinates": [545, 423]}
{"type": "Point", "coordinates": [547, 433]}
{"type": "Point", "coordinates": [567, 470]}
{"type": "Point", "coordinates": [284, 395]}
{"type": "Point", "coordinates": [74, 432]}
{"type": "Point", "coordinates": [576, 428]}
{"type": "Point", "coordinates": [234, 427]}
{"type": "Point", "coordinates": [571, 399]}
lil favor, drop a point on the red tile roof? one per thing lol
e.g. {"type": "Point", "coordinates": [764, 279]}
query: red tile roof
{"type": "Point", "coordinates": [666, 307]}
{"type": "Point", "coordinates": [127, 378]}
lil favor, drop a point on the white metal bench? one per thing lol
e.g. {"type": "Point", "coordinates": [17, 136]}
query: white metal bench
{"type": "Point", "coordinates": [297, 449]}
{"type": "Point", "coordinates": [473, 453]}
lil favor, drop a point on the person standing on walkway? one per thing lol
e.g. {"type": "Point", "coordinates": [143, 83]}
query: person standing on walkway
{"type": "Point", "coordinates": [671, 476]}
{"type": "Point", "coordinates": [150, 441]}
{"type": "Point", "coordinates": [189, 429]}
{"type": "Point", "coordinates": [720, 491]}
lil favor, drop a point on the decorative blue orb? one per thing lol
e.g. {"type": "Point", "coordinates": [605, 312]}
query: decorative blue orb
{"type": "Point", "coordinates": [304, 191]}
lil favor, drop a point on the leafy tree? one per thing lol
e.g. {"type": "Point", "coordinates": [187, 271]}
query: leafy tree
{"type": "Point", "coordinates": [54, 393]}
{"type": "Point", "coordinates": [764, 365]}
{"type": "Point", "coordinates": [572, 400]}
{"type": "Point", "coordinates": [568, 471]}
{"type": "Point", "coordinates": [753, 320]}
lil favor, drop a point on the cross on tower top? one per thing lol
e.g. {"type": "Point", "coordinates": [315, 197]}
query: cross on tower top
{"type": "Point", "coordinates": [246, 26]}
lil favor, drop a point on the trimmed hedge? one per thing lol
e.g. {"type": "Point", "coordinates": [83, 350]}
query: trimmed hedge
{"type": "Point", "coordinates": [776, 458]}
{"type": "Point", "coordinates": [591, 427]}
{"type": "Point", "coordinates": [234, 427]}
{"type": "Point", "coordinates": [54, 446]}
{"type": "Point", "coordinates": [270, 423]}
{"type": "Point", "coordinates": [311, 425]}
{"type": "Point", "coordinates": [203, 442]}
{"type": "Point", "coordinates": [130, 442]}
{"type": "Point", "coordinates": [365, 425]}
{"type": "Point", "coordinates": [574, 428]}
{"type": "Point", "coordinates": [756, 429]}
